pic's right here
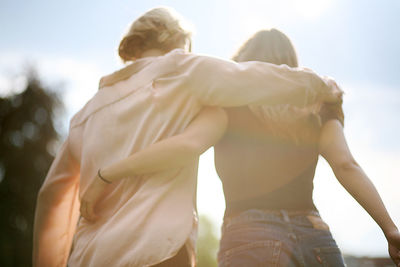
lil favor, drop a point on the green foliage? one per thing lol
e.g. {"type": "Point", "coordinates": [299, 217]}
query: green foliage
{"type": "Point", "coordinates": [207, 243]}
{"type": "Point", "coordinates": [27, 140]}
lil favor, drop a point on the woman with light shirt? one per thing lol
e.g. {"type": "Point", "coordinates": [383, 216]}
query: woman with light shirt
{"type": "Point", "coordinates": [129, 163]}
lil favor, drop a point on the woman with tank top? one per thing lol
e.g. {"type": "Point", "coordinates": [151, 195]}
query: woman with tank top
{"type": "Point", "coordinates": [266, 161]}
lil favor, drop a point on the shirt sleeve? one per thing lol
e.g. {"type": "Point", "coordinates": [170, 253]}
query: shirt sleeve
{"type": "Point", "coordinates": [331, 112]}
{"type": "Point", "coordinates": [57, 211]}
{"type": "Point", "coordinates": [226, 83]}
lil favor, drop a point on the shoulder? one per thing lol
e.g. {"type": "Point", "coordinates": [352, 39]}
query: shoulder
{"type": "Point", "coordinates": [82, 114]}
{"type": "Point", "coordinates": [188, 61]}
{"type": "Point", "coordinates": [331, 111]}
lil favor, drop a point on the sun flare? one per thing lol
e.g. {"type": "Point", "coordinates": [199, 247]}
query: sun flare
{"type": "Point", "coordinates": [311, 9]}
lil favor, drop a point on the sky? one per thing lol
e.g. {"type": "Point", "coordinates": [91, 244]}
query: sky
{"type": "Point", "coordinates": [74, 43]}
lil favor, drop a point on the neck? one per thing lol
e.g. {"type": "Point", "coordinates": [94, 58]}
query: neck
{"type": "Point", "coordinates": [152, 53]}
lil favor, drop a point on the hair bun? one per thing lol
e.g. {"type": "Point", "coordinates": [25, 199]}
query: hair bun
{"type": "Point", "coordinates": [163, 36]}
{"type": "Point", "coordinates": [158, 28]}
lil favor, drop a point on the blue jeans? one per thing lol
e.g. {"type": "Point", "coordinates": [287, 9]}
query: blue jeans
{"type": "Point", "coordinates": [277, 238]}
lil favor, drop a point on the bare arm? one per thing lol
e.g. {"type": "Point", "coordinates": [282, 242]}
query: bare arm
{"type": "Point", "coordinates": [333, 147]}
{"type": "Point", "coordinates": [174, 152]}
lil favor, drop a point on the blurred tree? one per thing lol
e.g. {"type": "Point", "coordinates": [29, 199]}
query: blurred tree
{"type": "Point", "coordinates": [28, 140]}
{"type": "Point", "coordinates": [207, 243]}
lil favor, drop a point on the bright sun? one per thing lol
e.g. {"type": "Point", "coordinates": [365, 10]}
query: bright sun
{"type": "Point", "coordinates": [311, 8]}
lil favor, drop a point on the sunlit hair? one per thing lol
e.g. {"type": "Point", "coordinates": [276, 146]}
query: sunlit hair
{"type": "Point", "coordinates": [298, 124]}
{"type": "Point", "coordinates": [159, 28]}
{"type": "Point", "coordinates": [270, 46]}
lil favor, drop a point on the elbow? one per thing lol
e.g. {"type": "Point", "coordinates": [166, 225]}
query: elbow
{"type": "Point", "coordinates": [192, 148]}
{"type": "Point", "coordinates": [195, 146]}
{"type": "Point", "coordinates": [347, 166]}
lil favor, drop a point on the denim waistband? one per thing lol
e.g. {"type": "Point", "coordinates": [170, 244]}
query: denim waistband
{"type": "Point", "coordinates": [254, 215]}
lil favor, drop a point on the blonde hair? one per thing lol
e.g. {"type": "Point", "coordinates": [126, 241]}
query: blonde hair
{"type": "Point", "coordinates": [270, 46]}
{"type": "Point", "coordinates": [159, 28]}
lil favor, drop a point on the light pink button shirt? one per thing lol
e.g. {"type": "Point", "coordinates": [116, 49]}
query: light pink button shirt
{"type": "Point", "coordinates": [145, 220]}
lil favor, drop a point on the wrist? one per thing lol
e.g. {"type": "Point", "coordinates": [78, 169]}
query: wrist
{"type": "Point", "coordinates": [388, 230]}
{"type": "Point", "coordinates": [101, 176]}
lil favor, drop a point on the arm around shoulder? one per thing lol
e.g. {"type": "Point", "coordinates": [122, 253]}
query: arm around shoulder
{"type": "Point", "coordinates": [226, 83]}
